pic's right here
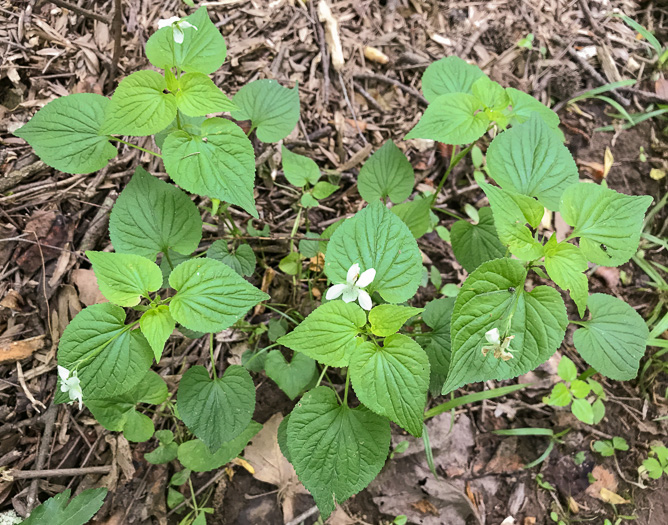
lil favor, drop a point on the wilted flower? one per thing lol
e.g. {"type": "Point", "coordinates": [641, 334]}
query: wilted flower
{"type": "Point", "coordinates": [352, 290]}
{"type": "Point", "coordinates": [501, 349]}
{"type": "Point", "coordinates": [71, 385]}
{"type": "Point", "coordinates": [178, 25]}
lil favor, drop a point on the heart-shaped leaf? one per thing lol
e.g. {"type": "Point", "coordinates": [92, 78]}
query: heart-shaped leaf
{"type": "Point", "coordinates": [474, 244]}
{"type": "Point", "coordinates": [292, 377]}
{"type": "Point", "coordinates": [386, 173]}
{"type": "Point", "coordinates": [449, 75]}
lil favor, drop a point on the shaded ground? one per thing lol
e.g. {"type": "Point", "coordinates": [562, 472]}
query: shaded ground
{"type": "Point", "coordinates": [48, 50]}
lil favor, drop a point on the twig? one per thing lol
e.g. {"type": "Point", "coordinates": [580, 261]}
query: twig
{"type": "Point", "coordinates": [16, 177]}
{"type": "Point", "coordinates": [53, 473]}
{"type": "Point", "coordinates": [98, 226]}
{"type": "Point", "coordinates": [368, 97]}
{"type": "Point", "coordinates": [351, 108]}
{"type": "Point", "coordinates": [387, 80]}
{"type": "Point", "coordinates": [80, 11]}
{"type": "Point", "coordinates": [44, 446]}
{"type": "Point", "coordinates": [323, 52]}
{"type": "Point", "coordinates": [304, 515]}
{"type": "Point", "coordinates": [117, 30]}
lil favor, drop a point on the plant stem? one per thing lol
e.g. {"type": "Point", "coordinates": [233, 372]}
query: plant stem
{"type": "Point", "coordinates": [135, 146]}
{"type": "Point", "coordinates": [345, 392]}
{"type": "Point", "coordinates": [454, 160]}
{"type": "Point", "coordinates": [321, 376]}
{"type": "Point", "coordinates": [169, 261]}
{"type": "Point", "coordinates": [295, 227]}
{"type": "Point", "coordinates": [213, 362]}
{"type": "Point", "coordinates": [192, 493]}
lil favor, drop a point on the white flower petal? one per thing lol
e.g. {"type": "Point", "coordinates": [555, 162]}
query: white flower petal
{"type": "Point", "coordinates": [350, 294]}
{"type": "Point", "coordinates": [365, 300]}
{"type": "Point", "coordinates": [178, 34]}
{"type": "Point", "coordinates": [353, 272]}
{"type": "Point", "coordinates": [167, 22]}
{"type": "Point", "coordinates": [335, 291]}
{"type": "Point", "coordinates": [185, 24]}
{"type": "Point", "coordinates": [366, 278]}
{"type": "Point", "coordinates": [63, 373]}
{"type": "Point", "coordinates": [493, 336]}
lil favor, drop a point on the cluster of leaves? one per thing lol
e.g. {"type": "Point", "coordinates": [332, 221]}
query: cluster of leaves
{"type": "Point", "coordinates": [656, 465]}
{"type": "Point", "coordinates": [579, 392]}
{"type": "Point", "coordinates": [336, 449]}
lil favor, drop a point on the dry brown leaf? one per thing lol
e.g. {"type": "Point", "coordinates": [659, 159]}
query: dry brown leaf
{"type": "Point", "coordinates": [661, 88]}
{"type": "Point", "coordinates": [86, 283]}
{"type": "Point", "coordinates": [611, 497]}
{"type": "Point", "coordinates": [271, 467]}
{"type": "Point", "coordinates": [18, 350]}
{"type": "Point", "coordinates": [12, 300]}
{"type": "Point", "coordinates": [608, 161]}
{"type": "Point", "coordinates": [605, 479]}
{"type": "Point", "coordinates": [340, 517]}
{"type": "Point", "coordinates": [267, 278]}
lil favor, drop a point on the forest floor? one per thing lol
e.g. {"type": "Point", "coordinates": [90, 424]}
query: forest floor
{"type": "Point", "coordinates": [48, 218]}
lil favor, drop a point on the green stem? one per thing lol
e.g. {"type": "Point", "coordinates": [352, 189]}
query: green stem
{"type": "Point", "coordinates": [345, 392]}
{"type": "Point", "coordinates": [454, 160]}
{"type": "Point", "coordinates": [135, 146]}
{"type": "Point", "coordinates": [321, 376]}
{"type": "Point", "coordinates": [192, 494]}
{"type": "Point", "coordinates": [291, 319]}
{"type": "Point", "coordinates": [213, 362]}
{"type": "Point", "coordinates": [169, 261]}
{"type": "Point", "coordinates": [295, 227]}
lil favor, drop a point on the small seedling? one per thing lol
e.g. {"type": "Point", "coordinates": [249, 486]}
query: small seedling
{"type": "Point", "coordinates": [608, 447]}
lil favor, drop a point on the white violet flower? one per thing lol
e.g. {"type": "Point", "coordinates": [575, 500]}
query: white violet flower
{"type": "Point", "coordinates": [178, 25]}
{"type": "Point", "coordinates": [71, 385]}
{"type": "Point", "coordinates": [501, 349]}
{"type": "Point", "coordinates": [352, 290]}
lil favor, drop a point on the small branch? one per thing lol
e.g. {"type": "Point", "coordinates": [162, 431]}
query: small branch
{"type": "Point", "coordinates": [54, 473]}
{"type": "Point", "coordinates": [80, 11]}
{"type": "Point", "coordinates": [387, 80]}
{"type": "Point", "coordinates": [117, 30]}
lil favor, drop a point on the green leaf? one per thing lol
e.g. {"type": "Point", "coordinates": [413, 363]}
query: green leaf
{"type": "Point", "coordinates": [216, 410]}
{"type": "Point", "coordinates": [490, 93]}
{"type": "Point", "coordinates": [118, 413]}
{"type": "Point", "coordinates": [309, 248]}
{"type": "Point", "coordinates": [211, 296]}
{"type": "Point", "coordinates": [308, 201]}
{"type": "Point", "coordinates": [191, 125]}
{"type": "Point", "coordinates": [474, 244]}
{"type": "Point", "coordinates": [124, 278]}
{"type": "Point", "coordinates": [387, 319]}
{"type": "Point", "coordinates": [324, 189]}
{"type": "Point", "coordinates": [455, 118]}
{"type": "Point", "coordinates": [531, 160]}
{"type": "Point", "coordinates": [582, 409]}
{"type": "Point", "coordinates": [393, 380]}
{"type": "Point", "coordinates": [565, 265]}
{"type": "Point", "coordinates": [613, 340]}
{"type": "Point", "coordinates": [604, 448]}
{"type": "Point", "coordinates": [241, 261]}
{"type": "Point", "coordinates": [493, 296]}
{"type": "Point", "coordinates": [327, 234]}
{"type": "Point", "coordinates": [387, 173]}
{"type": "Point", "coordinates": [436, 344]}
{"type": "Point", "coordinates": [60, 510]}
{"type": "Point", "coordinates": [164, 453]}
{"type": "Point", "coordinates": [65, 133]}
{"type": "Point", "coordinates": [292, 377]}
{"type": "Point", "coordinates": [449, 75]}
{"type": "Point", "coordinates": [291, 263]}
{"type": "Point", "coordinates": [376, 238]}
{"type": "Point", "coordinates": [202, 51]}
{"type": "Point", "coordinates": [567, 370]}
{"type": "Point", "coordinates": [140, 106]}
{"type": "Point", "coordinates": [198, 96]}
{"type": "Point", "coordinates": [219, 163]}
{"type": "Point", "coordinates": [524, 106]}
{"type": "Point", "coordinates": [336, 451]}
{"type": "Point", "coordinates": [298, 169]}
{"type": "Point", "coordinates": [580, 389]}
{"type": "Point", "coordinates": [99, 339]}
{"type": "Point", "coordinates": [157, 325]}
{"type": "Point", "coordinates": [272, 108]}
{"type": "Point", "coordinates": [196, 456]}
{"type": "Point", "coordinates": [512, 212]}
{"type": "Point", "coordinates": [151, 216]}
{"type": "Point", "coordinates": [608, 223]}
{"type": "Point", "coordinates": [620, 443]}
{"type": "Point", "coordinates": [560, 396]}
{"type": "Point", "coordinates": [328, 334]}
{"type": "Point", "coordinates": [415, 215]}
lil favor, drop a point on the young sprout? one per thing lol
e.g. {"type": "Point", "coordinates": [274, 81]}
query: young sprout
{"type": "Point", "coordinates": [501, 349]}
{"type": "Point", "coordinates": [71, 385]}
{"type": "Point", "coordinates": [352, 290]}
{"type": "Point", "coordinates": [178, 25]}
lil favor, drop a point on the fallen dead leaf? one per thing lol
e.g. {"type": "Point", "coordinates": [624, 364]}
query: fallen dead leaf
{"type": "Point", "coordinates": [267, 278]}
{"type": "Point", "coordinates": [608, 161]}
{"type": "Point", "coordinates": [611, 497]}
{"type": "Point", "coordinates": [271, 467]}
{"type": "Point", "coordinates": [661, 88]}
{"type": "Point", "coordinates": [86, 283]}
{"type": "Point", "coordinates": [609, 275]}
{"type": "Point", "coordinates": [19, 350]}
{"type": "Point", "coordinates": [595, 170]}
{"type": "Point", "coordinates": [376, 55]}
{"type": "Point", "coordinates": [340, 517]}
{"type": "Point", "coordinates": [12, 300]}
{"type": "Point", "coordinates": [425, 507]}
{"type": "Point", "coordinates": [605, 479]}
